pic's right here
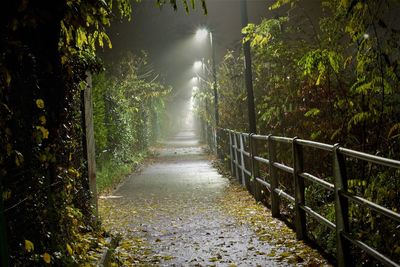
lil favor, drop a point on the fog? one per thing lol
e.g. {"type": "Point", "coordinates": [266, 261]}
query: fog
{"type": "Point", "coordinates": [168, 38]}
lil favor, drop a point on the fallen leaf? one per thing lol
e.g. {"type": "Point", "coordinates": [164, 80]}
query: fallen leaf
{"type": "Point", "coordinates": [46, 257]}
{"type": "Point", "coordinates": [29, 246]}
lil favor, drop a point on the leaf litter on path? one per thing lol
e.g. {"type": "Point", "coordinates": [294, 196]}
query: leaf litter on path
{"type": "Point", "coordinates": [180, 211]}
{"type": "Point", "coordinates": [155, 236]}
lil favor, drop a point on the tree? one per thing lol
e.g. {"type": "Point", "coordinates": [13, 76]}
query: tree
{"type": "Point", "coordinates": [46, 49]}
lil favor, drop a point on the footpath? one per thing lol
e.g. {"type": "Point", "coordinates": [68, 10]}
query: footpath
{"type": "Point", "coordinates": [179, 211]}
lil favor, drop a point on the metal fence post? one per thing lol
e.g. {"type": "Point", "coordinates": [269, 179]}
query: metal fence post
{"type": "Point", "coordinates": [274, 178]}
{"type": "Point", "coordinates": [341, 207]}
{"type": "Point", "coordinates": [255, 171]}
{"type": "Point", "coordinates": [298, 162]}
{"type": "Point", "coordinates": [242, 159]}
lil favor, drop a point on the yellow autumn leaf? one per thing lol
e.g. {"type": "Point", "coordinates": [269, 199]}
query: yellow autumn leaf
{"type": "Point", "coordinates": [29, 245]}
{"type": "Point", "coordinates": [8, 77]}
{"type": "Point", "coordinates": [9, 149]}
{"type": "Point", "coordinates": [46, 257]}
{"type": "Point", "coordinates": [6, 195]}
{"type": "Point", "coordinates": [40, 103]}
{"type": "Point", "coordinates": [19, 158]}
{"type": "Point", "coordinates": [69, 249]}
{"type": "Point", "coordinates": [44, 131]}
{"type": "Point", "coordinates": [42, 120]}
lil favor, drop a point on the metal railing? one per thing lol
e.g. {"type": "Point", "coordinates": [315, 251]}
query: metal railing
{"type": "Point", "coordinates": [244, 158]}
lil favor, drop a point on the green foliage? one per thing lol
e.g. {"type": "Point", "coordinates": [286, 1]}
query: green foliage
{"type": "Point", "coordinates": [330, 76]}
{"type": "Point", "coordinates": [128, 108]}
{"type": "Point", "coordinates": [46, 49]}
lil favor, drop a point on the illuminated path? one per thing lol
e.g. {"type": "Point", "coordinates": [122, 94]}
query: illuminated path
{"type": "Point", "coordinates": [171, 209]}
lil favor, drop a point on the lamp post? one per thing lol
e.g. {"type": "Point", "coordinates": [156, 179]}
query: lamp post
{"type": "Point", "coordinates": [200, 35]}
{"type": "Point", "coordinates": [248, 73]}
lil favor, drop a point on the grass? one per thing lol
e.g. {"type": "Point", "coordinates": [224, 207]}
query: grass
{"type": "Point", "coordinates": [110, 172]}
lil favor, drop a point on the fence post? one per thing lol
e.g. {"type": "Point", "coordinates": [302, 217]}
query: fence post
{"type": "Point", "coordinates": [274, 177]}
{"type": "Point", "coordinates": [231, 152]}
{"type": "Point", "coordinates": [341, 207]}
{"type": "Point", "coordinates": [236, 156]}
{"type": "Point", "coordinates": [4, 256]}
{"type": "Point", "coordinates": [298, 162]}
{"type": "Point", "coordinates": [89, 146]}
{"type": "Point", "coordinates": [242, 159]}
{"type": "Point", "coordinates": [215, 141]}
{"type": "Point", "coordinates": [255, 171]}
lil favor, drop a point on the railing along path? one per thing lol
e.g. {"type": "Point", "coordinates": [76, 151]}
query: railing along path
{"type": "Point", "coordinates": [243, 147]}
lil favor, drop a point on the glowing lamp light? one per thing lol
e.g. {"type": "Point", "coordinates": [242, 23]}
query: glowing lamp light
{"type": "Point", "coordinates": [194, 79]}
{"type": "Point", "coordinates": [201, 34]}
{"type": "Point", "coordinates": [197, 64]}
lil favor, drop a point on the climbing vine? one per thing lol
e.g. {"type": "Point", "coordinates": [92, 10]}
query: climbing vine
{"type": "Point", "coordinates": [46, 50]}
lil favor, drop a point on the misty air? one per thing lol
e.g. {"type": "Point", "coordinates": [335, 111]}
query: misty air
{"type": "Point", "coordinates": [200, 133]}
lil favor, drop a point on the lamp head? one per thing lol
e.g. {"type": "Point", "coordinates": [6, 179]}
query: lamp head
{"type": "Point", "coordinates": [201, 34]}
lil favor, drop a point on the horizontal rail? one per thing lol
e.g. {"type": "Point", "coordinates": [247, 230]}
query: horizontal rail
{"type": "Point", "coordinates": [282, 139]}
{"type": "Point", "coordinates": [315, 144]}
{"type": "Point", "coordinates": [262, 160]}
{"type": "Point", "coordinates": [246, 172]}
{"type": "Point", "coordinates": [371, 158]}
{"type": "Point", "coordinates": [337, 153]}
{"type": "Point", "coordinates": [260, 137]}
{"type": "Point", "coordinates": [317, 180]}
{"type": "Point", "coordinates": [283, 167]}
{"type": "Point", "coordinates": [280, 192]}
{"type": "Point", "coordinates": [318, 217]}
{"type": "Point", "coordinates": [377, 255]}
{"type": "Point", "coordinates": [264, 183]}
{"type": "Point", "coordinates": [382, 210]}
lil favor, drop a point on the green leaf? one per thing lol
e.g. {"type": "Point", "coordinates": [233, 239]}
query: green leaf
{"type": "Point", "coordinates": [312, 112]}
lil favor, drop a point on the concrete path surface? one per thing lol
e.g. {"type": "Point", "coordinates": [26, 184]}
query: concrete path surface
{"type": "Point", "coordinates": [170, 214]}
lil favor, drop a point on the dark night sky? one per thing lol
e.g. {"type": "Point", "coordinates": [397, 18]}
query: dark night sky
{"type": "Point", "coordinates": [167, 35]}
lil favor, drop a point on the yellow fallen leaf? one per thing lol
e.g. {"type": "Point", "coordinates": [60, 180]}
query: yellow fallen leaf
{"type": "Point", "coordinates": [42, 120]}
{"type": "Point", "coordinates": [44, 131]}
{"type": "Point", "coordinates": [6, 195]}
{"type": "Point", "coordinates": [29, 246]}
{"type": "Point", "coordinates": [40, 103]}
{"type": "Point", "coordinates": [46, 257]}
{"type": "Point", "coordinates": [69, 249]}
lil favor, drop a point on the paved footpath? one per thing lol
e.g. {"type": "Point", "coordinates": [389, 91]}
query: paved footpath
{"type": "Point", "coordinates": [170, 215]}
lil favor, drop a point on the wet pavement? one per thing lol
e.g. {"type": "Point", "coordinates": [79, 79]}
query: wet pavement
{"type": "Point", "coordinates": [172, 207]}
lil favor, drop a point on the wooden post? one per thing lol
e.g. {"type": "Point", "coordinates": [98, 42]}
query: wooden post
{"type": "Point", "coordinates": [236, 157]}
{"type": "Point", "coordinates": [301, 230]}
{"type": "Point", "coordinates": [231, 152]}
{"type": "Point", "coordinates": [341, 207]}
{"type": "Point", "coordinates": [4, 256]}
{"type": "Point", "coordinates": [89, 136]}
{"type": "Point", "coordinates": [274, 178]}
{"type": "Point", "coordinates": [255, 171]}
{"type": "Point", "coordinates": [242, 159]}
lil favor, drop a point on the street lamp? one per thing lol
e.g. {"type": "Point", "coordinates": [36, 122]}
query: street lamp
{"type": "Point", "coordinates": [197, 65]}
{"type": "Point", "coordinates": [194, 79]}
{"type": "Point", "coordinates": [202, 34]}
